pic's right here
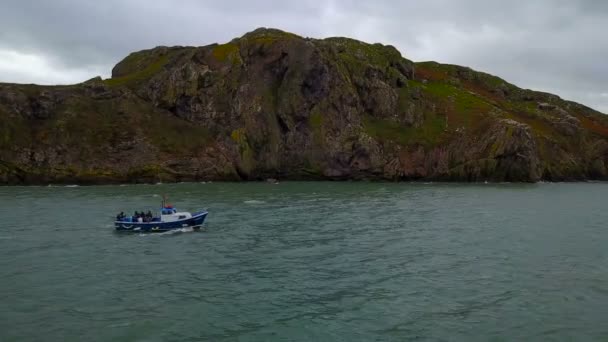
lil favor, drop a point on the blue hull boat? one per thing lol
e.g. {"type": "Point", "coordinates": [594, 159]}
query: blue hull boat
{"type": "Point", "coordinates": [157, 226]}
{"type": "Point", "coordinates": [169, 219]}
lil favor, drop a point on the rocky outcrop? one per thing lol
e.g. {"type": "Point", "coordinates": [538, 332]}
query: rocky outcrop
{"type": "Point", "coordinates": [272, 104]}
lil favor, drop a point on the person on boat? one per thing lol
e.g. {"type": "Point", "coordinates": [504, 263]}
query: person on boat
{"type": "Point", "coordinates": [120, 216]}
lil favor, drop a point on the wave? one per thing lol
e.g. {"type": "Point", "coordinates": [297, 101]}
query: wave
{"type": "Point", "coordinates": [254, 202]}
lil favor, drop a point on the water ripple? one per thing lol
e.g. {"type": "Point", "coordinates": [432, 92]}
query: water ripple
{"type": "Point", "coordinates": [308, 261]}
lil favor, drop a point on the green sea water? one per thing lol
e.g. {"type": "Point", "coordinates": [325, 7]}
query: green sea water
{"type": "Point", "coordinates": [308, 262]}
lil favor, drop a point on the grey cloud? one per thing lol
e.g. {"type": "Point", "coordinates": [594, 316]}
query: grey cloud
{"type": "Point", "coordinates": [551, 45]}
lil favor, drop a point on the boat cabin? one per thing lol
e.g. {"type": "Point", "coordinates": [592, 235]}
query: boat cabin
{"type": "Point", "coordinates": [170, 214]}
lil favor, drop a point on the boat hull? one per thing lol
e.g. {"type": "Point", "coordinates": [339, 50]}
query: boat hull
{"type": "Point", "coordinates": [196, 221]}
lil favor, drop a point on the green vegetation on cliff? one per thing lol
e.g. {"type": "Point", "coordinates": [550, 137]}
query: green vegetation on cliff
{"type": "Point", "coordinates": [428, 134]}
{"type": "Point", "coordinates": [139, 75]}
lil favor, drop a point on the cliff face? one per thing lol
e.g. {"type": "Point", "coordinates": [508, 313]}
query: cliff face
{"type": "Point", "coordinates": [273, 104]}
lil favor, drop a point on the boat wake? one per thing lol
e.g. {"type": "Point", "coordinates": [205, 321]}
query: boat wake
{"type": "Point", "coordinates": [178, 231]}
{"type": "Point", "coordinates": [171, 232]}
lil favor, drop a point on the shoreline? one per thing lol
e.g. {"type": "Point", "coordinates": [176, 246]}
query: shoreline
{"type": "Point", "coordinates": [278, 182]}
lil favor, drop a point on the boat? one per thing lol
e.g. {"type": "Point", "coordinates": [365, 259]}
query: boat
{"type": "Point", "coordinates": [169, 219]}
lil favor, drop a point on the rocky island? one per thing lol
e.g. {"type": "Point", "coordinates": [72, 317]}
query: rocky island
{"type": "Point", "coordinates": [272, 104]}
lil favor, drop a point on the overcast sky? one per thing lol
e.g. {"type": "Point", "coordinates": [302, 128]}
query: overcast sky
{"type": "Point", "coordinates": [557, 46]}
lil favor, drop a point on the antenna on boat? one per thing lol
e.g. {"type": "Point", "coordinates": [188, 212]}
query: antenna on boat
{"type": "Point", "coordinates": [164, 200]}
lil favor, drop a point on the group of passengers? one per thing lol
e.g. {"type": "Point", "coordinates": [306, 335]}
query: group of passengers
{"type": "Point", "coordinates": [137, 216]}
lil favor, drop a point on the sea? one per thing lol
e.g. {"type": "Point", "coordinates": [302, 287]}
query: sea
{"type": "Point", "coordinates": [308, 261]}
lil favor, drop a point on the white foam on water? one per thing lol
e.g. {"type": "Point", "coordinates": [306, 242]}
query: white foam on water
{"type": "Point", "coordinates": [253, 202]}
{"type": "Point", "coordinates": [119, 325]}
{"type": "Point", "coordinates": [72, 186]}
{"type": "Point", "coordinates": [178, 231]}
{"type": "Point", "coordinates": [170, 232]}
